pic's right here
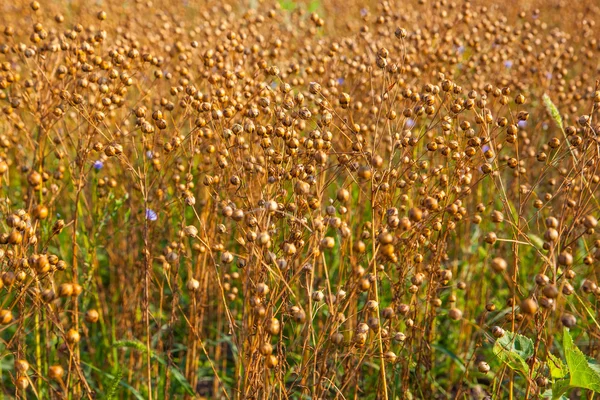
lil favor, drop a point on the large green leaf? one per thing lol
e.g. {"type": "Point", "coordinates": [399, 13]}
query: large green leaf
{"type": "Point", "coordinates": [583, 372]}
{"type": "Point", "coordinates": [514, 350]}
{"type": "Point", "coordinates": [559, 388]}
{"type": "Point", "coordinates": [558, 369]}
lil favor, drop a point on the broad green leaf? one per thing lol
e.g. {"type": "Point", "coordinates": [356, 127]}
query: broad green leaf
{"type": "Point", "coordinates": [559, 388]}
{"type": "Point", "coordinates": [583, 374]}
{"type": "Point", "coordinates": [558, 369]}
{"type": "Point", "coordinates": [514, 350]}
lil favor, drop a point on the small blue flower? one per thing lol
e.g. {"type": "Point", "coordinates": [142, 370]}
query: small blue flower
{"type": "Point", "coordinates": [460, 49]}
{"type": "Point", "coordinates": [98, 165]}
{"type": "Point", "coordinates": [151, 215]}
{"type": "Point", "coordinates": [340, 81]}
{"type": "Point", "coordinates": [549, 75]}
{"type": "Point", "coordinates": [522, 124]}
{"type": "Point", "coordinates": [508, 63]}
{"type": "Point", "coordinates": [273, 85]}
{"type": "Point", "coordinates": [363, 12]}
{"type": "Point", "coordinates": [149, 154]}
{"type": "Point", "coordinates": [410, 123]}
{"type": "Point", "coordinates": [485, 148]}
{"type": "Point", "coordinates": [545, 126]}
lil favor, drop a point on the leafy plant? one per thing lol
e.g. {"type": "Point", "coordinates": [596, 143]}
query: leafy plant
{"type": "Point", "coordinates": [579, 371]}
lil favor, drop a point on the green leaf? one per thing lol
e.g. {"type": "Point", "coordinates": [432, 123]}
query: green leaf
{"type": "Point", "coordinates": [514, 349]}
{"type": "Point", "coordinates": [450, 354]}
{"type": "Point", "coordinates": [583, 374]}
{"type": "Point", "coordinates": [553, 111]}
{"type": "Point", "coordinates": [558, 369]}
{"type": "Point", "coordinates": [559, 388]}
{"type": "Point", "coordinates": [177, 375]}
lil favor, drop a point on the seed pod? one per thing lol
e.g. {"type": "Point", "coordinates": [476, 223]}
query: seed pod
{"type": "Point", "coordinates": [415, 214]}
{"type": "Point", "coordinates": [41, 212]}
{"type": "Point", "coordinates": [92, 316]}
{"type": "Point", "coordinates": [22, 382]}
{"type": "Point", "coordinates": [589, 286]}
{"type": "Point", "coordinates": [273, 326]}
{"type": "Point", "coordinates": [490, 238]}
{"type": "Point", "coordinates": [262, 289]}
{"type": "Point", "coordinates": [483, 367]}
{"type": "Point", "coordinates": [388, 313]}
{"type": "Point", "coordinates": [565, 259]}
{"type": "Point", "coordinates": [590, 221]}
{"type": "Point", "coordinates": [317, 296]}
{"type": "Point", "coordinates": [15, 237]}
{"type": "Point", "coordinates": [568, 320]}
{"type": "Point", "coordinates": [455, 314]}
{"type": "Point", "coordinates": [266, 349]}
{"type": "Point", "coordinates": [56, 372]}
{"type": "Point", "coordinates": [73, 336]}
{"type": "Point", "coordinates": [34, 178]}
{"type": "Point", "coordinates": [271, 361]}
{"type": "Point", "coordinates": [542, 280]}
{"type": "Point", "coordinates": [226, 258]}
{"type": "Point", "coordinates": [390, 357]}
{"type": "Point", "coordinates": [360, 339]}
{"type": "Point", "coordinates": [21, 366]}
{"type": "Point", "coordinates": [499, 264]}
{"type": "Point", "coordinates": [8, 278]}
{"type": "Point", "coordinates": [6, 317]}
{"type": "Point", "coordinates": [191, 231]}
{"type": "Point", "coordinates": [550, 291]}
{"type": "Point", "coordinates": [337, 338]}
{"type": "Point", "coordinates": [65, 290]}
{"type": "Point", "coordinates": [529, 306]}
{"type": "Point", "coordinates": [497, 332]}
{"type": "Point", "coordinates": [77, 289]}
{"type": "Point", "coordinates": [193, 285]}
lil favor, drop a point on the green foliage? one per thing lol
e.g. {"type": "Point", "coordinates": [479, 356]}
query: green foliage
{"type": "Point", "coordinates": [114, 384]}
{"type": "Point", "coordinates": [583, 372]}
{"type": "Point", "coordinates": [558, 369]}
{"type": "Point", "coordinates": [177, 375]}
{"type": "Point", "coordinates": [514, 349]}
{"type": "Point", "coordinates": [579, 372]}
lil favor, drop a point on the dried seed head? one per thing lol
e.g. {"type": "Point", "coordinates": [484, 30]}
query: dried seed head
{"type": "Point", "coordinates": [529, 306]}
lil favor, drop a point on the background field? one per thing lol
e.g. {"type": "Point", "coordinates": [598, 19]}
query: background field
{"type": "Point", "coordinates": [298, 200]}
